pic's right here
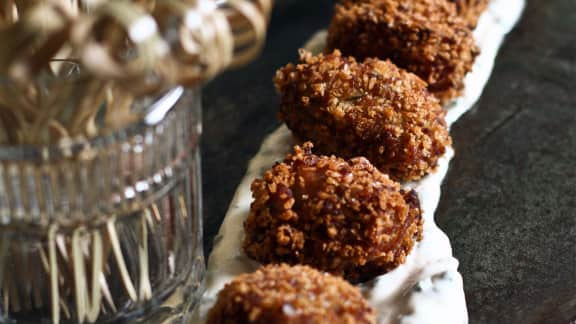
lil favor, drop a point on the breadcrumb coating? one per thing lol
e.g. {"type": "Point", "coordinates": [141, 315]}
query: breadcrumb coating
{"type": "Point", "coordinates": [470, 10]}
{"type": "Point", "coordinates": [371, 109]}
{"type": "Point", "coordinates": [343, 217]}
{"type": "Point", "coordinates": [426, 37]}
{"type": "Point", "coordinates": [290, 295]}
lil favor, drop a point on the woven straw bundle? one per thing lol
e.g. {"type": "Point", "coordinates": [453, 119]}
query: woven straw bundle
{"type": "Point", "coordinates": [74, 69]}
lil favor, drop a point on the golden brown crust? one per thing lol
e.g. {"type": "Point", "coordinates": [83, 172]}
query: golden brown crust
{"type": "Point", "coordinates": [290, 295]}
{"type": "Point", "coordinates": [470, 10]}
{"type": "Point", "coordinates": [425, 37]}
{"type": "Point", "coordinates": [371, 109]}
{"type": "Point", "coordinates": [343, 217]}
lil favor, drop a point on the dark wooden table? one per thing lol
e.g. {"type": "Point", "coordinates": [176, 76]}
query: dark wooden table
{"type": "Point", "coordinates": [509, 201]}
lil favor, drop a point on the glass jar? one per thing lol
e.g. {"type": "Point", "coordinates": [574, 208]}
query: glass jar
{"type": "Point", "coordinates": [108, 229]}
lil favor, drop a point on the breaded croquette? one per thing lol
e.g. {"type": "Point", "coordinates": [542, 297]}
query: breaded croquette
{"type": "Point", "coordinates": [343, 217]}
{"type": "Point", "coordinates": [470, 10]}
{"type": "Point", "coordinates": [425, 37]}
{"type": "Point", "coordinates": [371, 109]}
{"type": "Point", "coordinates": [290, 295]}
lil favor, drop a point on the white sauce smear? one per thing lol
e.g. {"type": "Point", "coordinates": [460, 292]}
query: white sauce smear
{"type": "Point", "coordinates": [426, 289]}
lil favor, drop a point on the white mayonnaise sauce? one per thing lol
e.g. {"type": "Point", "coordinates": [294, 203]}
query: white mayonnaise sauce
{"type": "Point", "coordinates": [426, 289]}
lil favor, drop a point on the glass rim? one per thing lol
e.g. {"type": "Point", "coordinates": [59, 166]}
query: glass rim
{"type": "Point", "coordinates": [153, 116]}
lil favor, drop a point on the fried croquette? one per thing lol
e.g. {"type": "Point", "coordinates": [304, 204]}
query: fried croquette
{"type": "Point", "coordinates": [470, 10]}
{"type": "Point", "coordinates": [371, 109]}
{"type": "Point", "coordinates": [343, 217]}
{"type": "Point", "coordinates": [291, 295]}
{"type": "Point", "coordinates": [425, 37]}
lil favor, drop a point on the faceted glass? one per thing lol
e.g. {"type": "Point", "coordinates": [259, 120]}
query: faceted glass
{"type": "Point", "coordinates": [108, 229]}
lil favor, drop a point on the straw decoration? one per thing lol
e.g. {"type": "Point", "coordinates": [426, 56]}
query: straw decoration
{"type": "Point", "coordinates": [64, 62]}
{"type": "Point", "coordinates": [71, 70]}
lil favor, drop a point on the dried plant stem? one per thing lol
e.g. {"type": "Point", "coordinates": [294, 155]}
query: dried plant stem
{"type": "Point", "coordinates": [145, 291]}
{"type": "Point", "coordinates": [87, 305]}
{"type": "Point", "coordinates": [76, 263]}
{"type": "Point", "coordinates": [82, 123]}
{"type": "Point", "coordinates": [53, 272]}
{"type": "Point", "coordinates": [119, 257]}
{"type": "Point", "coordinates": [120, 46]}
{"type": "Point", "coordinates": [119, 113]}
{"type": "Point", "coordinates": [50, 107]}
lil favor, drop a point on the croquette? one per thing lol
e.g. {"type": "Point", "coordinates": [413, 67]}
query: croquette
{"type": "Point", "coordinates": [470, 10]}
{"type": "Point", "coordinates": [426, 37]}
{"type": "Point", "coordinates": [371, 109]}
{"type": "Point", "coordinates": [290, 295]}
{"type": "Point", "coordinates": [338, 216]}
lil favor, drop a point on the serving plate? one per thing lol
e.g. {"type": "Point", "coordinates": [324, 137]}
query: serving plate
{"type": "Point", "coordinates": [428, 287]}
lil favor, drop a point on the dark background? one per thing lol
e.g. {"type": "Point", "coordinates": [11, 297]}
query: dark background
{"type": "Point", "coordinates": [509, 201]}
